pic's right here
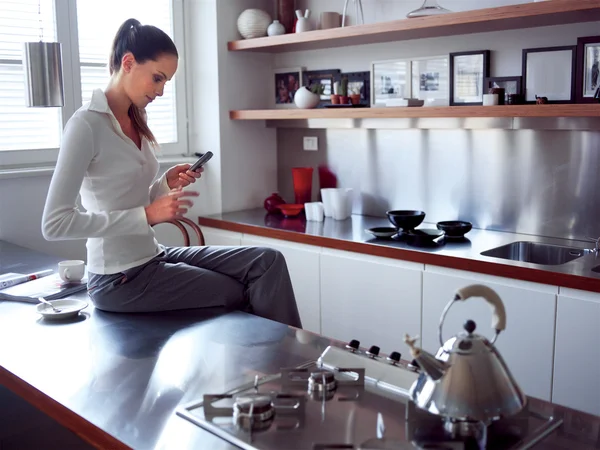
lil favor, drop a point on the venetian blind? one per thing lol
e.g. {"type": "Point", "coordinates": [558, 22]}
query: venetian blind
{"type": "Point", "coordinates": [23, 128]}
{"type": "Point", "coordinates": [98, 22]}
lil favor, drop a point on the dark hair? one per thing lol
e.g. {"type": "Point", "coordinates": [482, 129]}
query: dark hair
{"type": "Point", "coordinates": [145, 42]}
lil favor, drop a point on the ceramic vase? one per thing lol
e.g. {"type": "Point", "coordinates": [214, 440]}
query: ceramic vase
{"type": "Point", "coordinates": [253, 23]}
{"type": "Point", "coordinates": [302, 178]}
{"type": "Point", "coordinates": [303, 24]}
{"type": "Point", "coordinates": [272, 201]}
{"type": "Point", "coordinates": [304, 99]}
{"type": "Point", "coordinates": [285, 14]}
{"type": "Point", "coordinates": [275, 29]}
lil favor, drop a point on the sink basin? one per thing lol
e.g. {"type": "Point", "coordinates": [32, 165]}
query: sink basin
{"type": "Point", "coordinates": [536, 253]}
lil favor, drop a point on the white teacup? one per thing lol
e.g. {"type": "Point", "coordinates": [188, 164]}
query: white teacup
{"type": "Point", "coordinates": [71, 270]}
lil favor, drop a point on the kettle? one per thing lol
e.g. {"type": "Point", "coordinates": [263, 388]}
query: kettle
{"type": "Point", "coordinates": [467, 380]}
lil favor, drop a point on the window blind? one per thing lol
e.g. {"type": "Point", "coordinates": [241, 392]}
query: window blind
{"type": "Point", "coordinates": [22, 127]}
{"type": "Point", "coordinates": [97, 24]}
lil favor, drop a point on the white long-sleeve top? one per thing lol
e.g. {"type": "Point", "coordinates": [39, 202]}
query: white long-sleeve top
{"type": "Point", "coordinates": [116, 181]}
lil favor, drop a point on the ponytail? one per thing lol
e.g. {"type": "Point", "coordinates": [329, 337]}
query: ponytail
{"type": "Point", "coordinates": [145, 42]}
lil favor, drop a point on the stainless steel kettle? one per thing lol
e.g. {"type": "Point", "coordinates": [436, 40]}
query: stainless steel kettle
{"type": "Point", "coordinates": [467, 380]}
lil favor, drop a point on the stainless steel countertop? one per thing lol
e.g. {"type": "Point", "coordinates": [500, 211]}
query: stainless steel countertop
{"type": "Point", "coordinates": [477, 241]}
{"type": "Point", "coordinates": [128, 373]}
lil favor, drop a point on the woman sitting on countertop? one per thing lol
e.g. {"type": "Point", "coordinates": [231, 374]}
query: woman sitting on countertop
{"type": "Point", "coordinates": [107, 157]}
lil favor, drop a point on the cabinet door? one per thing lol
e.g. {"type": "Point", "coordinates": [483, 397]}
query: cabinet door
{"type": "Point", "coordinates": [527, 344]}
{"type": "Point", "coordinates": [577, 359]}
{"type": "Point", "coordinates": [375, 300]}
{"type": "Point", "coordinates": [303, 265]}
{"type": "Point", "coordinates": [214, 236]}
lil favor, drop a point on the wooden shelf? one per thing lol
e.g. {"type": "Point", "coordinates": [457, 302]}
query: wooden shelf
{"type": "Point", "coordinates": [528, 15]}
{"type": "Point", "coordinates": [557, 110]}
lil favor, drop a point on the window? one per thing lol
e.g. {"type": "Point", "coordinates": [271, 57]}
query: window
{"type": "Point", "coordinates": [31, 136]}
{"type": "Point", "coordinates": [22, 127]}
{"type": "Point", "coordinates": [97, 23]}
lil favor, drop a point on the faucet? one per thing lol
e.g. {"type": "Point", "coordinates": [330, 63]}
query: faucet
{"type": "Point", "coordinates": [596, 248]}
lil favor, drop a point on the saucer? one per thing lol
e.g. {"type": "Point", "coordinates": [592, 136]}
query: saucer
{"type": "Point", "coordinates": [69, 308]}
{"type": "Point", "coordinates": [382, 232]}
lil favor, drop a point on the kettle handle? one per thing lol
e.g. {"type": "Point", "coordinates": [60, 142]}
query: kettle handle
{"type": "Point", "coordinates": [488, 294]}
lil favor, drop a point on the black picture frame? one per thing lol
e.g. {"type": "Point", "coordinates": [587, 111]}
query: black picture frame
{"type": "Point", "coordinates": [503, 82]}
{"type": "Point", "coordinates": [359, 77]}
{"type": "Point", "coordinates": [327, 77]}
{"type": "Point", "coordinates": [573, 68]}
{"type": "Point", "coordinates": [485, 69]}
{"type": "Point", "coordinates": [580, 75]}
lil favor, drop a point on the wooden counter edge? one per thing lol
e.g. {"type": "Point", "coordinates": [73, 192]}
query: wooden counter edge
{"type": "Point", "coordinates": [451, 262]}
{"type": "Point", "coordinates": [87, 431]}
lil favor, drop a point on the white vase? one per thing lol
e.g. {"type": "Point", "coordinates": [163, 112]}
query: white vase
{"type": "Point", "coordinates": [304, 99]}
{"type": "Point", "coordinates": [253, 23]}
{"type": "Point", "coordinates": [303, 24]}
{"type": "Point", "coordinates": [276, 29]}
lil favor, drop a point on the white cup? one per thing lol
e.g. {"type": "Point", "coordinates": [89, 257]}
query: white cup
{"type": "Point", "coordinates": [71, 270]}
{"type": "Point", "coordinates": [341, 203]}
{"type": "Point", "coordinates": [326, 197]}
{"type": "Point", "coordinates": [314, 211]}
{"type": "Point", "coordinates": [490, 99]}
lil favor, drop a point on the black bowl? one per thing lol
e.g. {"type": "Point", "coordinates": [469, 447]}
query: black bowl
{"type": "Point", "coordinates": [405, 219]}
{"type": "Point", "coordinates": [455, 228]}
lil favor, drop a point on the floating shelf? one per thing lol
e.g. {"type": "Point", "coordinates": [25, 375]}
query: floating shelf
{"type": "Point", "coordinates": [528, 15]}
{"type": "Point", "coordinates": [510, 111]}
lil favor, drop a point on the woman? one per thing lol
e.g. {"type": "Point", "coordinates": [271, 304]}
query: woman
{"type": "Point", "coordinates": [106, 157]}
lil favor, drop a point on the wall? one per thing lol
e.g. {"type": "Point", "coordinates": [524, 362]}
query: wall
{"type": "Point", "coordinates": [536, 182]}
{"type": "Point", "coordinates": [249, 153]}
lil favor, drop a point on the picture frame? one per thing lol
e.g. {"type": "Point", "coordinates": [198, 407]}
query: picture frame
{"type": "Point", "coordinates": [587, 74]}
{"type": "Point", "coordinates": [360, 82]}
{"type": "Point", "coordinates": [327, 77]}
{"type": "Point", "coordinates": [468, 71]}
{"type": "Point", "coordinates": [430, 78]}
{"type": "Point", "coordinates": [561, 62]}
{"type": "Point", "coordinates": [287, 82]}
{"type": "Point", "coordinates": [390, 79]}
{"type": "Point", "coordinates": [511, 85]}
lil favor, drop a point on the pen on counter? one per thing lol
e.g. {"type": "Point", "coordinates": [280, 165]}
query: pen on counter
{"type": "Point", "coordinates": [25, 278]}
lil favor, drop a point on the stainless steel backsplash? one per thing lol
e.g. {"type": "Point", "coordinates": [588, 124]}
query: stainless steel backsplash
{"type": "Point", "coordinates": [536, 182]}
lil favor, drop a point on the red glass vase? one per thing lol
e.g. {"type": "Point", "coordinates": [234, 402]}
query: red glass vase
{"type": "Point", "coordinates": [302, 177]}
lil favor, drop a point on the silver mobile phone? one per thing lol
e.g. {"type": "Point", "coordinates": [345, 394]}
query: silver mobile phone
{"type": "Point", "coordinates": [201, 161]}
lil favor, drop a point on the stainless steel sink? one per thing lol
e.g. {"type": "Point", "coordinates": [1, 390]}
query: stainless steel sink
{"type": "Point", "coordinates": [536, 253]}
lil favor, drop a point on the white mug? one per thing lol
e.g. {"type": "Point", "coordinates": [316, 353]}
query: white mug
{"type": "Point", "coordinates": [71, 270]}
{"type": "Point", "coordinates": [490, 99]}
{"type": "Point", "coordinates": [314, 211]}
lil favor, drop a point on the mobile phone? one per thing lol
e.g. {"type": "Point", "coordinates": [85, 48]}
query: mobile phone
{"type": "Point", "coordinates": [201, 161]}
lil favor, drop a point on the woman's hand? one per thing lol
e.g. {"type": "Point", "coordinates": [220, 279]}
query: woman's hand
{"type": "Point", "coordinates": [179, 176]}
{"type": "Point", "coordinates": [170, 206]}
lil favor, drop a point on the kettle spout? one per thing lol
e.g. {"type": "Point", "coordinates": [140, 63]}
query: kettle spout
{"type": "Point", "coordinates": [433, 367]}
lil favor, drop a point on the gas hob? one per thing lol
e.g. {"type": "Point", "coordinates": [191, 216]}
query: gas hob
{"type": "Point", "coordinates": [347, 399]}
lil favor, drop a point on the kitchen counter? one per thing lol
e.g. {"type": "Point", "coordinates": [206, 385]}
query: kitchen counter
{"type": "Point", "coordinates": [350, 235]}
{"type": "Point", "coordinates": [117, 379]}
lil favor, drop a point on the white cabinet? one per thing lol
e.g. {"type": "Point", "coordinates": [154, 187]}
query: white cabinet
{"type": "Point", "coordinates": [375, 300]}
{"type": "Point", "coordinates": [527, 344]}
{"type": "Point", "coordinates": [214, 236]}
{"type": "Point", "coordinates": [577, 359]}
{"type": "Point", "coordinates": [303, 265]}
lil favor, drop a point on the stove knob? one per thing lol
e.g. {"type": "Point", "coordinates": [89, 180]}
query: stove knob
{"type": "Point", "coordinates": [394, 358]}
{"type": "Point", "coordinates": [353, 345]}
{"type": "Point", "coordinates": [373, 351]}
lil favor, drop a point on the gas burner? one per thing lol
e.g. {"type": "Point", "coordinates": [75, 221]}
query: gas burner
{"type": "Point", "coordinates": [321, 380]}
{"type": "Point", "coordinates": [253, 411]}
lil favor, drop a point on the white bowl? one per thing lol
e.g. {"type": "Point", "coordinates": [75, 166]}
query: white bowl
{"type": "Point", "coordinates": [69, 308]}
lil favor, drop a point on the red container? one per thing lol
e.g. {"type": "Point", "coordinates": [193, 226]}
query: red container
{"type": "Point", "coordinates": [272, 202]}
{"type": "Point", "coordinates": [302, 177]}
{"type": "Point", "coordinates": [286, 14]}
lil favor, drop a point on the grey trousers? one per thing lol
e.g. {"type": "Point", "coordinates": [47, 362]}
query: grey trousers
{"type": "Point", "coordinates": [252, 279]}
